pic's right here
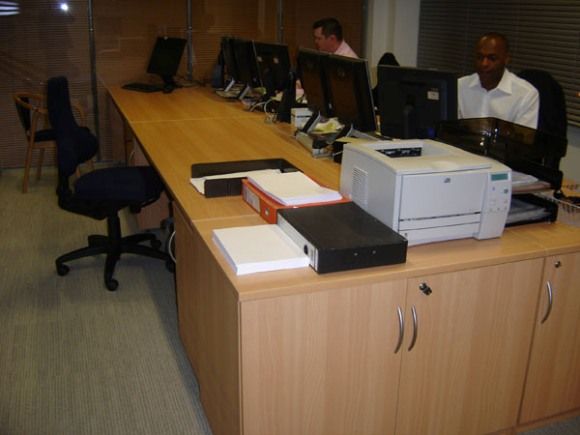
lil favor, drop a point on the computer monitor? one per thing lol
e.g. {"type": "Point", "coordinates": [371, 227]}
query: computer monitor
{"type": "Point", "coordinates": [312, 75]}
{"type": "Point", "coordinates": [412, 101]}
{"type": "Point", "coordinates": [227, 49]}
{"type": "Point", "coordinates": [165, 59]}
{"type": "Point", "coordinates": [246, 62]}
{"type": "Point", "coordinates": [350, 92]}
{"type": "Point", "coordinates": [273, 61]}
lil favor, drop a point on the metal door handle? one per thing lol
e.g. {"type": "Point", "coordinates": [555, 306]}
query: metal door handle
{"type": "Point", "coordinates": [550, 301]}
{"type": "Point", "coordinates": [401, 328]}
{"type": "Point", "coordinates": [415, 327]}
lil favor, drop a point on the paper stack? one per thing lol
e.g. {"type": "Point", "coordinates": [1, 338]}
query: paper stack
{"type": "Point", "coordinates": [293, 188]}
{"type": "Point", "coordinates": [259, 248]}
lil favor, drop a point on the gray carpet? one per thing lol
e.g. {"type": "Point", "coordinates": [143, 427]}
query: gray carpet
{"type": "Point", "coordinates": [74, 357]}
{"type": "Point", "coordinates": [78, 359]}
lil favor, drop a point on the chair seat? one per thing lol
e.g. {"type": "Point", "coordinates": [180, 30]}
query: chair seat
{"type": "Point", "coordinates": [134, 184]}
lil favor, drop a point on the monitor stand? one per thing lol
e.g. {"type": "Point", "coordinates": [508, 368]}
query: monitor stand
{"type": "Point", "coordinates": [317, 144]}
{"type": "Point", "coordinates": [169, 84]}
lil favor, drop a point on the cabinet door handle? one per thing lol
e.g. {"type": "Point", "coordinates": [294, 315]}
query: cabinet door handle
{"type": "Point", "coordinates": [415, 327]}
{"type": "Point", "coordinates": [401, 328]}
{"type": "Point", "coordinates": [550, 301]}
{"type": "Point", "coordinates": [170, 243]}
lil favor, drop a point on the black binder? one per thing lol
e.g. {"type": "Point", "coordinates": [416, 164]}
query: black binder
{"type": "Point", "coordinates": [342, 237]}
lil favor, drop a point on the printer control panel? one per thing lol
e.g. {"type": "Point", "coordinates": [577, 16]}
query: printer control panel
{"type": "Point", "coordinates": [496, 205]}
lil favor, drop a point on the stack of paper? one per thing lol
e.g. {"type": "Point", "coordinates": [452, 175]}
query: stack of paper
{"type": "Point", "coordinates": [259, 248]}
{"type": "Point", "coordinates": [293, 188]}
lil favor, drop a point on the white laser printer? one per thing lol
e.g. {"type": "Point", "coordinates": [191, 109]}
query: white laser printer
{"type": "Point", "coordinates": [427, 191]}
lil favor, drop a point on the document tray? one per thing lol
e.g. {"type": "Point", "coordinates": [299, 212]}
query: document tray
{"type": "Point", "coordinates": [233, 186]}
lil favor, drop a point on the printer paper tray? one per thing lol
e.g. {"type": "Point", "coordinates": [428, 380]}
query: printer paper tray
{"type": "Point", "coordinates": [439, 234]}
{"type": "Point", "coordinates": [438, 222]}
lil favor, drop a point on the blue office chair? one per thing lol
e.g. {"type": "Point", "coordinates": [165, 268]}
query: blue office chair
{"type": "Point", "coordinates": [99, 194]}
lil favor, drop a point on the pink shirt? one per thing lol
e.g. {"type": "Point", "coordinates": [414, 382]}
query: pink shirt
{"type": "Point", "coordinates": [345, 50]}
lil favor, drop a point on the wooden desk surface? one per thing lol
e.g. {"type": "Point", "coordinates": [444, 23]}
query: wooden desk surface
{"type": "Point", "coordinates": [217, 130]}
{"type": "Point", "coordinates": [182, 103]}
{"type": "Point", "coordinates": [172, 146]}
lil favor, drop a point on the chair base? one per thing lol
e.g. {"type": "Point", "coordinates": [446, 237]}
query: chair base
{"type": "Point", "coordinates": [113, 245]}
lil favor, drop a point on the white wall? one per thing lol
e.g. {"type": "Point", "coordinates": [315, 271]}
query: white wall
{"type": "Point", "coordinates": [393, 25]}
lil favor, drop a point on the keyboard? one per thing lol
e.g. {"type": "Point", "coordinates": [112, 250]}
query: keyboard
{"type": "Point", "coordinates": [143, 87]}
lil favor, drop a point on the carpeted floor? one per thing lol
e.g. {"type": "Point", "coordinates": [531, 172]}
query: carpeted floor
{"type": "Point", "coordinates": [74, 357]}
{"type": "Point", "coordinates": [78, 359]}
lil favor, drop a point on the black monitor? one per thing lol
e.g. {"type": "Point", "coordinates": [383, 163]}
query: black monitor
{"type": "Point", "coordinates": [412, 101]}
{"type": "Point", "coordinates": [312, 75]}
{"type": "Point", "coordinates": [246, 62]}
{"type": "Point", "coordinates": [165, 59]}
{"type": "Point", "coordinates": [273, 61]}
{"type": "Point", "coordinates": [350, 92]}
{"type": "Point", "coordinates": [227, 48]}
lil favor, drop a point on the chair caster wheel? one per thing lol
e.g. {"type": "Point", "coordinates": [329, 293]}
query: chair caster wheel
{"type": "Point", "coordinates": [62, 269]}
{"type": "Point", "coordinates": [111, 284]}
{"type": "Point", "coordinates": [170, 266]}
{"type": "Point", "coordinates": [155, 244]}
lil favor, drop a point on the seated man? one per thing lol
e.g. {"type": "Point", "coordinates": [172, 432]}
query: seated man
{"type": "Point", "coordinates": [328, 37]}
{"type": "Point", "coordinates": [493, 91]}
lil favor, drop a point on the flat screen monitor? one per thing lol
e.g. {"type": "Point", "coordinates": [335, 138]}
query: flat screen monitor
{"type": "Point", "coordinates": [246, 62]}
{"type": "Point", "coordinates": [227, 49]}
{"type": "Point", "coordinates": [312, 75]}
{"type": "Point", "coordinates": [273, 61]}
{"type": "Point", "coordinates": [165, 59]}
{"type": "Point", "coordinates": [350, 92]}
{"type": "Point", "coordinates": [412, 101]}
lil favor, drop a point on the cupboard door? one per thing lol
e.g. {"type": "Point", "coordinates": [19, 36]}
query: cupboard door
{"type": "Point", "coordinates": [322, 362]}
{"type": "Point", "coordinates": [465, 373]}
{"type": "Point", "coordinates": [553, 382]}
{"type": "Point", "coordinates": [208, 326]}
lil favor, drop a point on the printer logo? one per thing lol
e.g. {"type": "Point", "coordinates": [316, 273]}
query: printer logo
{"type": "Point", "coordinates": [447, 180]}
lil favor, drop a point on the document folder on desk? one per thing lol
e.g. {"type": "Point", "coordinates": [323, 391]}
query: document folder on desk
{"type": "Point", "coordinates": [342, 237]}
{"type": "Point", "coordinates": [233, 186]}
{"type": "Point", "coordinates": [266, 206]}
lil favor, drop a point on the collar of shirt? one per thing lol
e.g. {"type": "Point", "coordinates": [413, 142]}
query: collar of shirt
{"type": "Point", "coordinates": [504, 86]}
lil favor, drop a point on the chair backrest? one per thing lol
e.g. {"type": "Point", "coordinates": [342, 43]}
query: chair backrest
{"type": "Point", "coordinates": [552, 116]}
{"type": "Point", "coordinates": [74, 144]}
{"type": "Point", "coordinates": [28, 107]}
{"type": "Point", "coordinates": [388, 59]}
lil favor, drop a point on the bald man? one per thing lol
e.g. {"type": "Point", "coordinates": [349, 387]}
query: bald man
{"type": "Point", "coordinates": [493, 91]}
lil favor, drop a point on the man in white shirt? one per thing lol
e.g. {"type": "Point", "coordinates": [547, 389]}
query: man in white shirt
{"type": "Point", "coordinates": [327, 34]}
{"type": "Point", "coordinates": [493, 91]}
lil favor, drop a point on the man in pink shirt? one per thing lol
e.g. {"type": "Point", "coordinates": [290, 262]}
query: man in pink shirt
{"type": "Point", "coordinates": [328, 37]}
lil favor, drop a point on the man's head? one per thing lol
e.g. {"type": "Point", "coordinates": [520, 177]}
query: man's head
{"type": "Point", "coordinates": [491, 57]}
{"type": "Point", "coordinates": [327, 34]}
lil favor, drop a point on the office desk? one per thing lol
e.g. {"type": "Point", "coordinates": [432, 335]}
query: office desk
{"type": "Point", "coordinates": [294, 352]}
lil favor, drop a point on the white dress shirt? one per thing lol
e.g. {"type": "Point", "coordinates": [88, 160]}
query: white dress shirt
{"type": "Point", "coordinates": [345, 50]}
{"type": "Point", "coordinates": [513, 100]}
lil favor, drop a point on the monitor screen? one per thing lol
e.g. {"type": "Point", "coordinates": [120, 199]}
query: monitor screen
{"type": "Point", "coordinates": [273, 63]}
{"type": "Point", "coordinates": [350, 92]}
{"type": "Point", "coordinates": [246, 62]}
{"type": "Point", "coordinates": [412, 101]}
{"type": "Point", "coordinates": [165, 58]}
{"type": "Point", "coordinates": [312, 75]}
{"type": "Point", "coordinates": [227, 48]}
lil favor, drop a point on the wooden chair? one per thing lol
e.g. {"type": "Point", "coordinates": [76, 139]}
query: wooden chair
{"type": "Point", "coordinates": [31, 109]}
